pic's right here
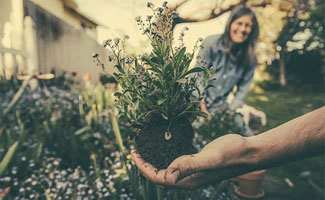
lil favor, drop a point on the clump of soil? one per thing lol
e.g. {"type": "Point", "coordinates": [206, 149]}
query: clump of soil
{"type": "Point", "coordinates": [153, 146]}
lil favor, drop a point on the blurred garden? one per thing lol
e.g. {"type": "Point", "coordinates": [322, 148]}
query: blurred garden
{"type": "Point", "coordinates": [62, 135]}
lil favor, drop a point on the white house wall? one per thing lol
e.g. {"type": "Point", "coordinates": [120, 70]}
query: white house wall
{"type": "Point", "coordinates": [56, 8]}
{"type": "Point", "coordinates": [5, 10]}
{"type": "Point", "coordinates": [62, 47]}
{"type": "Point", "coordinates": [11, 38]}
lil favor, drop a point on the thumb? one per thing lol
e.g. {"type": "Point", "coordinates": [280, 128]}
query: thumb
{"type": "Point", "coordinates": [180, 168]}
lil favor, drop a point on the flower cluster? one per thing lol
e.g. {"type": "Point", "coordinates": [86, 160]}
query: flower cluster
{"type": "Point", "coordinates": [162, 82]}
{"type": "Point", "coordinates": [159, 25]}
{"type": "Point", "coordinates": [47, 180]}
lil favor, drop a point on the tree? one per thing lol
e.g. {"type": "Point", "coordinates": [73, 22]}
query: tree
{"type": "Point", "coordinates": [303, 31]}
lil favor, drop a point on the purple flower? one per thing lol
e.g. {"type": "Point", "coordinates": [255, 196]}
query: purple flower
{"type": "Point", "coordinates": [149, 17]}
{"type": "Point", "coordinates": [95, 55]}
{"type": "Point", "coordinates": [160, 10]}
{"type": "Point", "coordinates": [138, 19]}
{"type": "Point", "coordinates": [174, 14]}
{"type": "Point", "coordinates": [150, 5]}
{"type": "Point", "coordinates": [117, 41]}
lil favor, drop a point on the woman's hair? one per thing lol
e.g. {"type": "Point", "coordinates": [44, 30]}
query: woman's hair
{"type": "Point", "coordinates": [241, 53]}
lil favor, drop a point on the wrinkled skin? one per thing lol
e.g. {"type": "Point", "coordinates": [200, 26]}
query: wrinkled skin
{"type": "Point", "coordinates": [232, 155]}
{"type": "Point", "coordinates": [196, 170]}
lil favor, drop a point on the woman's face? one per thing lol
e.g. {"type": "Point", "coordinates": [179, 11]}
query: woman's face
{"type": "Point", "coordinates": [241, 28]}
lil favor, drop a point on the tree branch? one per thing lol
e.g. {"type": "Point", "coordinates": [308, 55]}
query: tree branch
{"type": "Point", "coordinates": [212, 15]}
{"type": "Point", "coordinates": [179, 4]}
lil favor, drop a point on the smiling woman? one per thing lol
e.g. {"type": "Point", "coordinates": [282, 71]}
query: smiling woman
{"type": "Point", "coordinates": [241, 28]}
{"type": "Point", "coordinates": [231, 58]}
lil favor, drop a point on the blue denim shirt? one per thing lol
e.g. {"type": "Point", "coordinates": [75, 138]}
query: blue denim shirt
{"type": "Point", "coordinates": [227, 74]}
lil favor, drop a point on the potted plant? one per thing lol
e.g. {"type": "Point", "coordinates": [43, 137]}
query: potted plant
{"type": "Point", "coordinates": [160, 93]}
{"type": "Point", "coordinates": [250, 184]}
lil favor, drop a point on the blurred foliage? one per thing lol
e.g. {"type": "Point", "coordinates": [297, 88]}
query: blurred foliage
{"type": "Point", "coordinates": [67, 148]}
{"type": "Point", "coordinates": [76, 126]}
{"type": "Point", "coordinates": [301, 43]}
{"type": "Point", "coordinates": [221, 123]}
{"type": "Point", "coordinates": [304, 27]}
{"type": "Point", "coordinates": [303, 70]}
{"type": "Point", "coordinates": [270, 19]}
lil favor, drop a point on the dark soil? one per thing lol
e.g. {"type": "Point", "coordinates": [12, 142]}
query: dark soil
{"type": "Point", "coordinates": [155, 149]}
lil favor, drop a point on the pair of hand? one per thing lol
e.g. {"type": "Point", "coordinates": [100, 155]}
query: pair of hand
{"type": "Point", "coordinates": [196, 170]}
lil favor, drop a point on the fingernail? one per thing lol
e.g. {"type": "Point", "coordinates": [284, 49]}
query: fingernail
{"type": "Point", "coordinates": [175, 175]}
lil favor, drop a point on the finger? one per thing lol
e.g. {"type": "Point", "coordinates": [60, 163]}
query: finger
{"type": "Point", "coordinates": [141, 164]}
{"type": "Point", "coordinates": [147, 169]}
{"type": "Point", "coordinates": [136, 157]}
{"type": "Point", "coordinates": [197, 180]}
{"type": "Point", "coordinates": [133, 150]}
{"type": "Point", "coordinates": [180, 168]}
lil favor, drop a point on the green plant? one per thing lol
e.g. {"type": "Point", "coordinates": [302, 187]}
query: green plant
{"type": "Point", "coordinates": [159, 90]}
{"type": "Point", "coordinates": [5, 161]}
{"type": "Point", "coordinates": [40, 168]}
{"type": "Point", "coordinates": [222, 122]}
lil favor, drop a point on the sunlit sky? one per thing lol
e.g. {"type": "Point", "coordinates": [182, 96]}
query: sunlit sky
{"type": "Point", "coordinates": [118, 17]}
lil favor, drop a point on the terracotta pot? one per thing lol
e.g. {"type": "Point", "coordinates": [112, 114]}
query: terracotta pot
{"type": "Point", "coordinates": [250, 185]}
{"type": "Point", "coordinates": [4, 192]}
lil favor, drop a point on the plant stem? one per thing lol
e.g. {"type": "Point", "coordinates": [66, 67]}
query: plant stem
{"type": "Point", "coordinates": [159, 194]}
{"type": "Point", "coordinates": [17, 96]}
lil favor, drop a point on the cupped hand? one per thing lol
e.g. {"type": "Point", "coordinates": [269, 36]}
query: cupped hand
{"type": "Point", "coordinates": [196, 170]}
{"type": "Point", "coordinates": [172, 176]}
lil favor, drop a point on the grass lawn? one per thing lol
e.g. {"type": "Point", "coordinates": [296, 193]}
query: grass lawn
{"type": "Point", "coordinates": [306, 176]}
{"type": "Point", "coordinates": [282, 106]}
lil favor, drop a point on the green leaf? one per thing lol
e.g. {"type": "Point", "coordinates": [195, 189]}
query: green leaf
{"type": "Point", "coordinates": [157, 83]}
{"type": "Point", "coordinates": [123, 85]}
{"type": "Point", "coordinates": [136, 64]}
{"type": "Point", "coordinates": [120, 69]}
{"type": "Point", "coordinates": [155, 60]}
{"type": "Point", "coordinates": [82, 130]}
{"type": "Point", "coordinates": [117, 94]}
{"type": "Point", "coordinates": [208, 86]}
{"type": "Point", "coordinates": [155, 70]}
{"type": "Point", "coordinates": [38, 151]}
{"type": "Point", "coordinates": [129, 91]}
{"type": "Point", "coordinates": [193, 70]}
{"type": "Point", "coordinates": [148, 61]}
{"type": "Point", "coordinates": [180, 55]}
{"type": "Point", "coordinates": [161, 101]}
{"type": "Point", "coordinates": [164, 116]}
{"type": "Point", "coordinates": [5, 161]}
{"type": "Point", "coordinates": [183, 80]}
{"type": "Point", "coordinates": [86, 136]}
{"type": "Point", "coordinates": [146, 114]}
